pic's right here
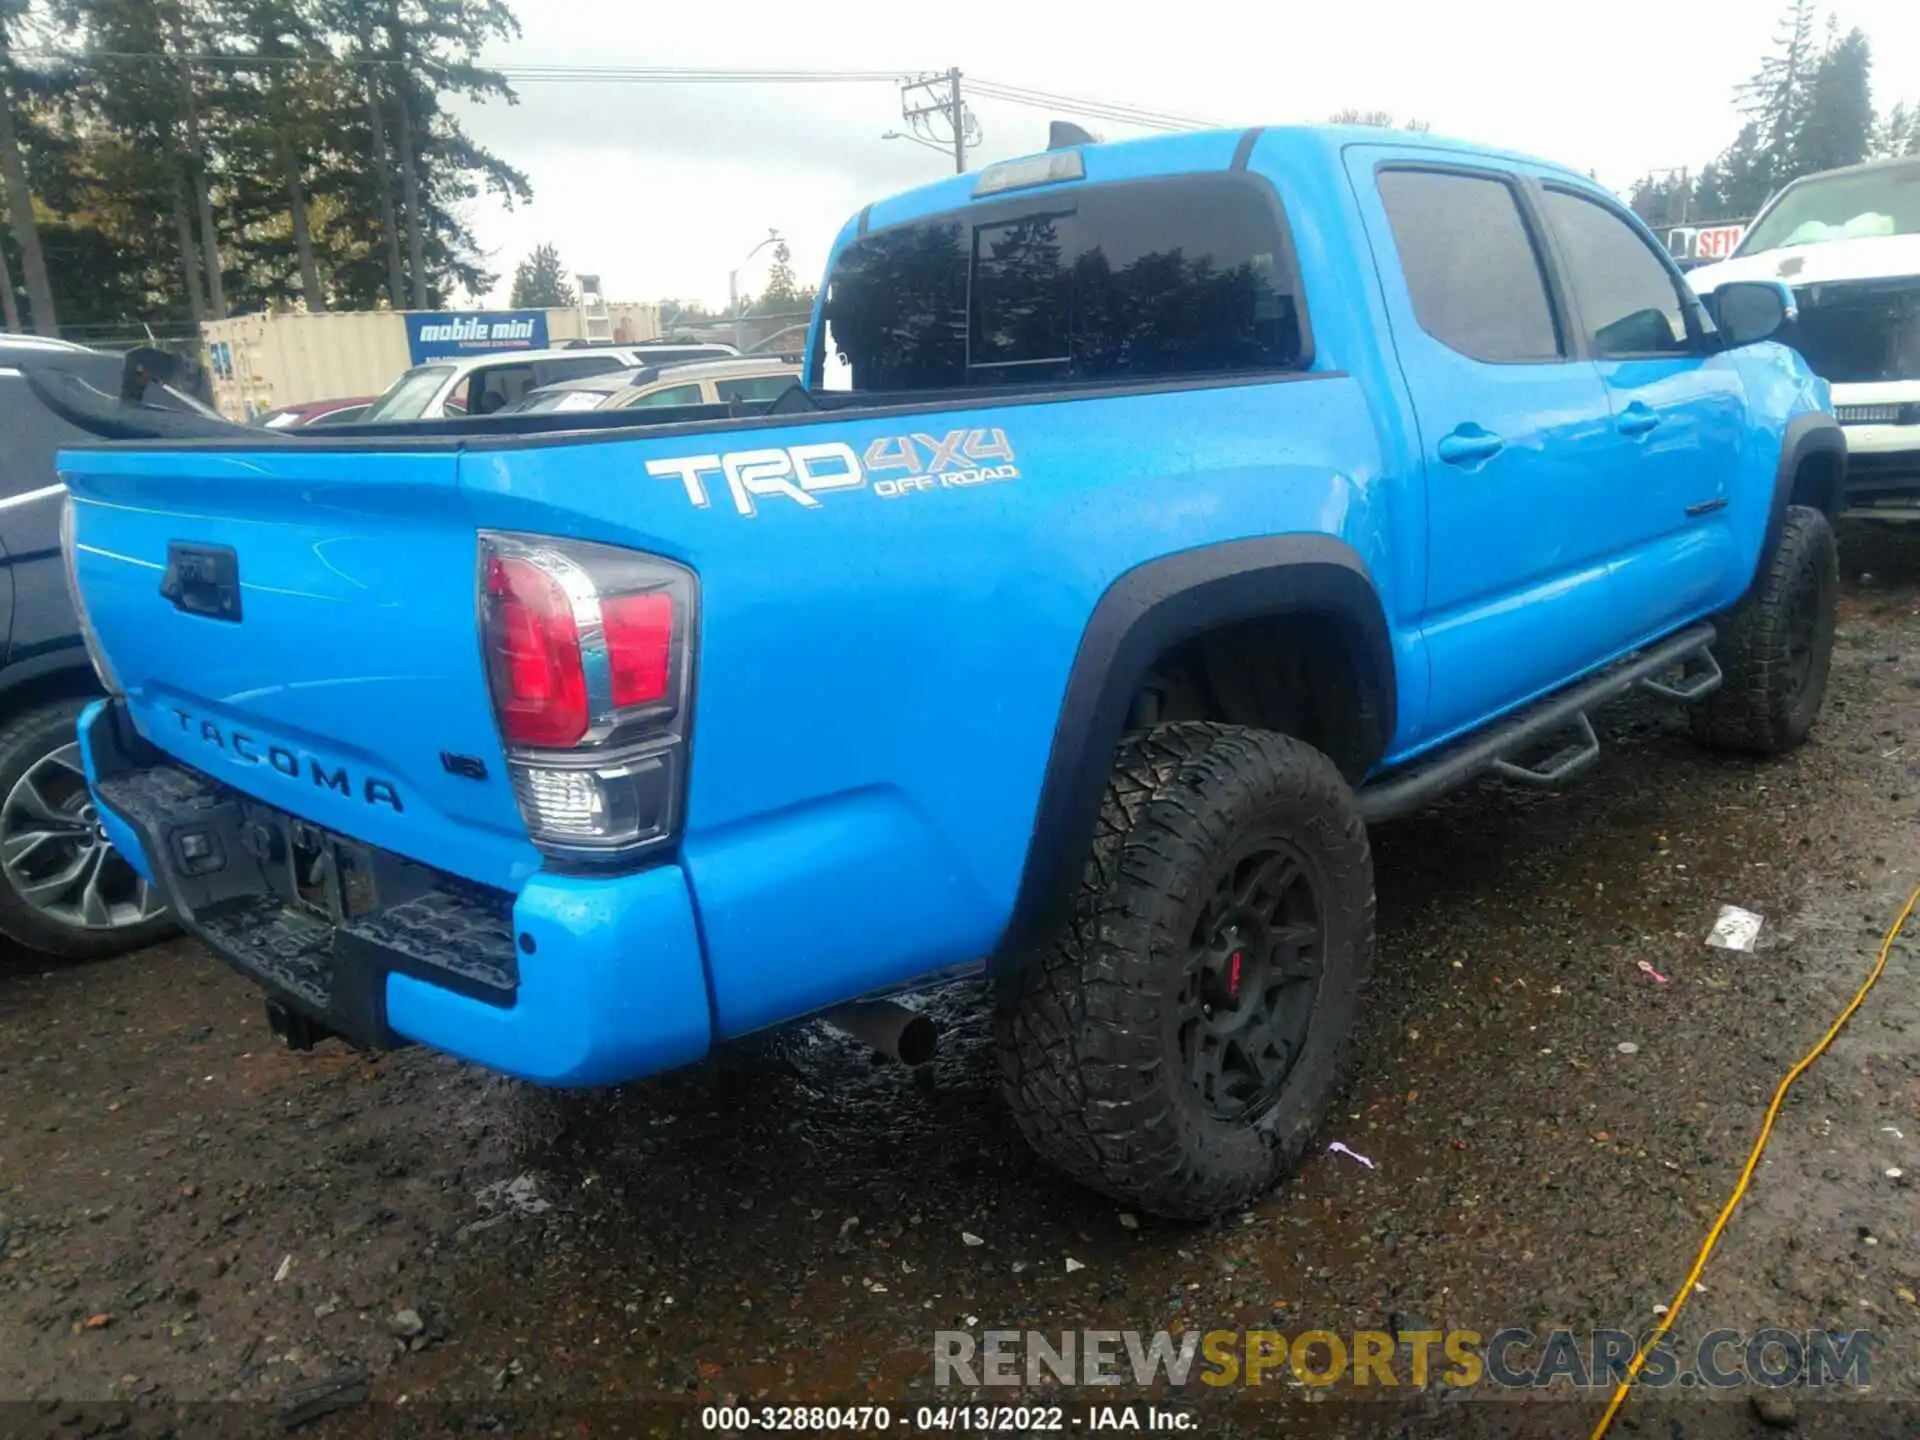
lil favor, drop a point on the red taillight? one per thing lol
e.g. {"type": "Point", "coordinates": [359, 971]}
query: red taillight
{"type": "Point", "coordinates": [589, 654]}
{"type": "Point", "coordinates": [639, 631]}
{"type": "Point", "coordinates": [533, 656]}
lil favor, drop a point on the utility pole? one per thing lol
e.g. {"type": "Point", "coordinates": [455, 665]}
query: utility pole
{"type": "Point", "coordinates": [953, 130]}
{"type": "Point", "coordinates": [955, 109]}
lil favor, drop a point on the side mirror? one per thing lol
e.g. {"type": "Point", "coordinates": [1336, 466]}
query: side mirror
{"type": "Point", "coordinates": [146, 366]}
{"type": "Point", "coordinates": [1748, 311]}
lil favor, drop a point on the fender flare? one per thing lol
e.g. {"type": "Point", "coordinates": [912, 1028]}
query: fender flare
{"type": "Point", "coordinates": [1813, 433]}
{"type": "Point", "coordinates": [1143, 614]}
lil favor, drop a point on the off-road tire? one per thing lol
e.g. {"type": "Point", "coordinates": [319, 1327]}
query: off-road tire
{"type": "Point", "coordinates": [1087, 1029]}
{"type": "Point", "coordinates": [1768, 702]}
{"type": "Point", "coordinates": [26, 740]}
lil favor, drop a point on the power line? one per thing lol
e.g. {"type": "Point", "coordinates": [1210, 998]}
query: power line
{"type": "Point", "coordinates": [941, 98]}
{"type": "Point", "coordinates": [1099, 109]}
{"type": "Point", "coordinates": [620, 74]}
{"type": "Point", "coordinates": [536, 73]}
{"type": "Point", "coordinates": [671, 75]}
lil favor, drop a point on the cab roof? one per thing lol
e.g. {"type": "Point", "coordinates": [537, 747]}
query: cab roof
{"type": "Point", "coordinates": [1194, 152]}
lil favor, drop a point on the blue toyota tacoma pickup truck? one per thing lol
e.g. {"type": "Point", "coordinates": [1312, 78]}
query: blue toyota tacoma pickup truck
{"type": "Point", "coordinates": [1154, 518]}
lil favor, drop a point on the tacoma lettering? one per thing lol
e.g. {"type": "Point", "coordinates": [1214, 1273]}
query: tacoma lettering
{"type": "Point", "coordinates": [243, 747]}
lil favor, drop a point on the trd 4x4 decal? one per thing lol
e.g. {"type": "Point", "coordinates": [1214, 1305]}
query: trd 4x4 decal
{"type": "Point", "coordinates": [894, 465]}
{"type": "Point", "coordinates": [945, 464]}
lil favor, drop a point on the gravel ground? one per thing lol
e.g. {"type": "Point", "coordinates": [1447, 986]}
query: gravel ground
{"type": "Point", "coordinates": [190, 1216]}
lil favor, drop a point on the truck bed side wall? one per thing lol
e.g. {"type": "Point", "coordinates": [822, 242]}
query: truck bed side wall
{"type": "Point", "coordinates": [879, 677]}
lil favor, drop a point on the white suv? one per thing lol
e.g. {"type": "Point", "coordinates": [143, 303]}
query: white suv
{"type": "Point", "coordinates": [484, 384]}
{"type": "Point", "coordinates": [746, 378]}
{"type": "Point", "coordinates": [1848, 242]}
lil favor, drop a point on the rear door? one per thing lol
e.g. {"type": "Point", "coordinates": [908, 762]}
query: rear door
{"type": "Point", "coordinates": [1679, 411]}
{"type": "Point", "coordinates": [36, 617]}
{"type": "Point", "coordinates": [1515, 430]}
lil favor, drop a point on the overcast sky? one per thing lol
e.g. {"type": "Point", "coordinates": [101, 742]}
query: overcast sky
{"type": "Point", "coordinates": [663, 188]}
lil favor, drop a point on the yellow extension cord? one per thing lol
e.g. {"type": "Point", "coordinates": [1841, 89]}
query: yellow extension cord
{"type": "Point", "coordinates": [1746, 1174]}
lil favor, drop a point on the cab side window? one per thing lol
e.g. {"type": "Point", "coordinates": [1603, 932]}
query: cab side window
{"type": "Point", "coordinates": [1472, 271]}
{"type": "Point", "coordinates": [676, 395]}
{"type": "Point", "coordinates": [1628, 299]}
{"type": "Point", "coordinates": [497, 387]}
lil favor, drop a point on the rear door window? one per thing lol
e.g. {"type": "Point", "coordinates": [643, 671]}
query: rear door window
{"type": "Point", "coordinates": [497, 387]}
{"type": "Point", "coordinates": [673, 395]}
{"type": "Point", "coordinates": [1189, 276]}
{"type": "Point", "coordinates": [1472, 270]}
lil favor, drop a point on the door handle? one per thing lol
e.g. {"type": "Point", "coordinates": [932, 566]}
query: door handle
{"type": "Point", "coordinates": [1637, 419]}
{"type": "Point", "coordinates": [1469, 444]}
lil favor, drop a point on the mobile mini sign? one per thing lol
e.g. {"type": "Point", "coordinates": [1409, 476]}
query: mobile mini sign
{"type": "Point", "coordinates": [445, 333]}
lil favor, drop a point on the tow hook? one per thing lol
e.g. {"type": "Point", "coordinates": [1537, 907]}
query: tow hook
{"type": "Point", "coordinates": [295, 1029]}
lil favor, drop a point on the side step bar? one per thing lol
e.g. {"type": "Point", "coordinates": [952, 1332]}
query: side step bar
{"type": "Point", "coordinates": [1497, 749]}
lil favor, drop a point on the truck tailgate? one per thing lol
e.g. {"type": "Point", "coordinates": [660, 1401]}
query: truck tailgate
{"type": "Point", "coordinates": [345, 683]}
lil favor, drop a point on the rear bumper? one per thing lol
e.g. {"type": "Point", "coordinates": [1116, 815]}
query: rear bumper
{"type": "Point", "coordinates": [577, 980]}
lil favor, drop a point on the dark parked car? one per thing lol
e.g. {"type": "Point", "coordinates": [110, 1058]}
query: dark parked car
{"type": "Point", "coordinates": [63, 889]}
{"type": "Point", "coordinates": [315, 412]}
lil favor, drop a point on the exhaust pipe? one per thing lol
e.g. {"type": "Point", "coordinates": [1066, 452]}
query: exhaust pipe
{"type": "Point", "coordinates": [892, 1029]}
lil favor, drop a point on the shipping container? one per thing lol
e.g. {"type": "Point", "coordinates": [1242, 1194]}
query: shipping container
{"type": "Point", "coordinates": [262, 362]}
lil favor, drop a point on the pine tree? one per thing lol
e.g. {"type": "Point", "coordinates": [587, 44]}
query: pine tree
{"type": "Point", "coordinates": [1775, 98]}
{"type": "Point", "coordinates": [1835, 127]}
{"type": "Point", "coordinates": [1663, 200]}
{"type": "Point", "coordinates": [1898, 133]}
{"type": "Point", "coordinates": [285, 113]}
{"type": "Point", "coordinates": [433, 49]}
{"type": "Point", "coordinates": [540, 281]}
{"type": "Point", "coordinates": [1381, 119]}
{"type": "Point", "coordinates": [1737, 184]}
{"type": "Point", "coordinates": [131, 148]}
{"type": "Point", "coordinates": [13, 168]}
{"type": "Point", "coordinates": [783, 290]}
{"type": "Point", "coordinates": [178, 158]}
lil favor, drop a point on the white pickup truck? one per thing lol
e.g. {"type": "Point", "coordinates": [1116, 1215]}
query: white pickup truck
{"type": "Point", "coordinates": [1848, 242]}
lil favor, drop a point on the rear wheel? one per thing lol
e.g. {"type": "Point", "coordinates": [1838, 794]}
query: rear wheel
{"type": "Point", "coordinates": [1776, 647]}
{"type": "Point", "coordinates": [64, 889]}
{"type": "Point", "coordinates": [1177, 1043]}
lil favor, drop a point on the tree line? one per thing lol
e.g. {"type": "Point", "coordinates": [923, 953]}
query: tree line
{"type": "Point", "coordinates": [1809, 107]}
{"type": "Point", "coordinates": [182, 160]}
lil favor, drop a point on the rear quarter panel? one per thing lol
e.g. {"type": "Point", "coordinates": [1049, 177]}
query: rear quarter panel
{"type": "Point", "coordinates": [880, 675]}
